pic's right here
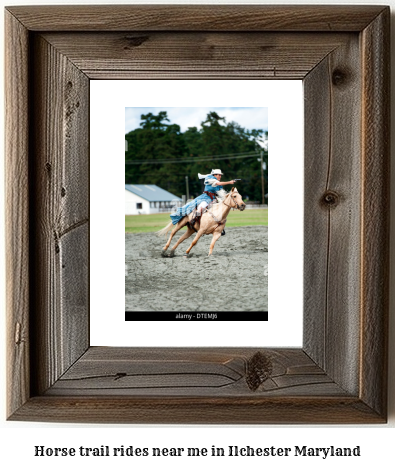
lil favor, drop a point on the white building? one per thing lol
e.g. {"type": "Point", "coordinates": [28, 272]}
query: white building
{"type": "Point", "coordinates": [148, 199]}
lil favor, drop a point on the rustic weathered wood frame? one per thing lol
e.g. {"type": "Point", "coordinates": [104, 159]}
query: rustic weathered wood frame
{"type": "Point", "coordinates": [340, 374]}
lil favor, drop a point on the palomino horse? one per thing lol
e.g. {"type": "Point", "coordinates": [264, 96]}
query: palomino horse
{"type": "Point", "coordinates": [212, 221]}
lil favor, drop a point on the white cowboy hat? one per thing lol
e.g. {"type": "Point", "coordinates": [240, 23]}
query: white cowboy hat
{"type": "Point", "coordinates": [216, 172]}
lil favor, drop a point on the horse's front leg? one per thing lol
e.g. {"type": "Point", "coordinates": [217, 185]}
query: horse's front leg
{"type": "Point", "coordinates": [195, 240]}
{"type": "Point", "coordinates": [216, 235]}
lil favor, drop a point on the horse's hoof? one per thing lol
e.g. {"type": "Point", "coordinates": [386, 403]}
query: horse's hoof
{"type": "Point", "coordinates": [188, 255]}
{"type": "Point", "coordinates": [164, 254]}
{"type": "Point", "coordinates": [171, 254]}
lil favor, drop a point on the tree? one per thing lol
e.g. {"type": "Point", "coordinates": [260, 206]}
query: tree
{"type": "Point", "coordinates": [158, 139]}
{"type": "Point", "coordinates": [154, 140]}
{"type": "Point", "coordinates": [150, 121]}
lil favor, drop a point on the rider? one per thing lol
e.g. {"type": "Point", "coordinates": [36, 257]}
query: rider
{"type": "Point", "coordinates": [212, 183]}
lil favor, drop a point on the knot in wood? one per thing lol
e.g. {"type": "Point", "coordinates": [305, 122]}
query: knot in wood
{"type": "Point", "coordinates": [330, 198]}
{"type": "Point", "coordinates": [339, 77]}
{"type": "Point", "coordinates": [135, 41]}
{"type": "Point", "coordinates": [259, 369]}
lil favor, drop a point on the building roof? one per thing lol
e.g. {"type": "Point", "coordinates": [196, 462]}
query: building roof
{"type": "Point", "coordinates": [151, 192]}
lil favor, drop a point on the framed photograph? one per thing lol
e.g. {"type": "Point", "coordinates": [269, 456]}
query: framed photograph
{"type": "Point", "coordinates": [232, 284]}
{"type": "Point", "coordinates": [54, 54]}
{"type": "Point", "coordinates": [184, 195]}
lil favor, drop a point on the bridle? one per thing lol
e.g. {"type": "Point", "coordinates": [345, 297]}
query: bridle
{"type": "Point", "coordinates": [232, 207]}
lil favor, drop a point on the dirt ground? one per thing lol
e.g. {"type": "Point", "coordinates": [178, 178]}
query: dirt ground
{"type": "Point", "coordinates": [236, 274]}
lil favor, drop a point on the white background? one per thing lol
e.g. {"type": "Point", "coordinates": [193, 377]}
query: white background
{"type": "Point", "coordinates": [284, 98]}
{"type": "Point", "coordinates": [18, 439]}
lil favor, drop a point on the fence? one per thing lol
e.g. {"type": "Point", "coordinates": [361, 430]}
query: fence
{"type": "Point", "coordinates": [253, 205]}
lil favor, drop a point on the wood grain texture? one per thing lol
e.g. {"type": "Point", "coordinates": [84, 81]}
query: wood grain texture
{"type": "Point", "coordinates": [17, 198]}
{"type": "Point", "coordinates": [60, 213]}
{"type": "Point", "coordinates": [194, 372]}
{"type": "Point", "coordinates": [339, 376]}
{"type": "Point", "coordinates": [198, 410]}
{"type": "Point", "coordinates": [196, 17]}
{"type": "Point", "coordinates": [375, 211]}
{"type": "Point", "coordinates": [74, 292]}
{"type": "Point", "coordinates": [317, 115]}
{"type": "Point", "coordinates": [332, 214]}
{"type": "Point", "coordinates": [196, 54]}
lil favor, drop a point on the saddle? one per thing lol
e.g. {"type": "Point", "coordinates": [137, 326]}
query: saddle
{"type": "Point", "coordinates": [195, 218]}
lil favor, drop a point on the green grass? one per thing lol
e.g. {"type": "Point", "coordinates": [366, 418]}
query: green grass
{"type": "Point", "coordinates": [154, 222]}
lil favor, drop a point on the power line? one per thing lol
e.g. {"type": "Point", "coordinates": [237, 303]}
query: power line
{"type": "Point", "coordinates": [213, 157]}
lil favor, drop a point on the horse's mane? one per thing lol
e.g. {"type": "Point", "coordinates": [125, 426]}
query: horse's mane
{"type": "Point", "coordinates": [221, 195]}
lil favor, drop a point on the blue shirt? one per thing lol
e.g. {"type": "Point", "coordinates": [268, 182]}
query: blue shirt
{"type": "Point", "coordinates": [208, 181]}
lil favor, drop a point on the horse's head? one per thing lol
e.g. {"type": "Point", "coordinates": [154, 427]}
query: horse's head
{"type": "Point", "coordinates": [235, 200]}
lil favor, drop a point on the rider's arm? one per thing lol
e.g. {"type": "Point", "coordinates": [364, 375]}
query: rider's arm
{"type": "Point", "coordinates": [215, 182]}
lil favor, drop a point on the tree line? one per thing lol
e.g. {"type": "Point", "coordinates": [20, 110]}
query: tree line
{"type": "Point", "coordinates": [159, 153]}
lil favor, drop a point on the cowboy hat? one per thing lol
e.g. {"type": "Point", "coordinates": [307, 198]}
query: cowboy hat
{"type": "Point", "coordinates": [216, 172]}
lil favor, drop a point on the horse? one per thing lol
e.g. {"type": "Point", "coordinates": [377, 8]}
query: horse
{"type": "Point", "coordinates": [212, 221]}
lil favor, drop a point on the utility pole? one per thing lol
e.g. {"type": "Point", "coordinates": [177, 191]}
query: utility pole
{"type": "Point", "coordinates": [262, 179]}
{"type": "Point", "coordinates": [187, 183]}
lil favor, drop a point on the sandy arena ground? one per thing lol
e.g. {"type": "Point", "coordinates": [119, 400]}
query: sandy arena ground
{"type": "Point", "coordinates": [235, 276]}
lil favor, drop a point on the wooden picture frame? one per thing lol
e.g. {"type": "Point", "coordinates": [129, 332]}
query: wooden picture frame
{"type": "Point", "coordinates": [340, 373]}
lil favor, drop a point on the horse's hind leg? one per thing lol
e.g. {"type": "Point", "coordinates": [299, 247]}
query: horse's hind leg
{"type": "Point", "coordinates": [180, 224]}
{"type": "Point", "coordinates": [172, 233]}
{"type": "Point", "coordinates": [186, 235]}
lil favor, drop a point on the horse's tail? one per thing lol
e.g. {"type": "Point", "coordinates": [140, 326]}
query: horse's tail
{"type": "Point", "coordinates": [162, 233]}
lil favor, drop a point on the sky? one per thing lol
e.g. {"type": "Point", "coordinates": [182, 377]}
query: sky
{"type": "Point", "coordinates": [249, 118]}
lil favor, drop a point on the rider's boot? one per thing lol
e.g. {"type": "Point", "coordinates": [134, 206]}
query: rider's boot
{"type": "Point", "coordinates": [195, 218]}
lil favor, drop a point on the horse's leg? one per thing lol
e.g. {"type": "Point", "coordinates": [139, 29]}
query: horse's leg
{"type": "Point", "coordinates": [216, 235]}
{"type": "Point", "coordinates": [179, 225]}
{"type": "Point", "coordinates": [195, 240]}
{"type": "Point", "coordinates": [186, 235]}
